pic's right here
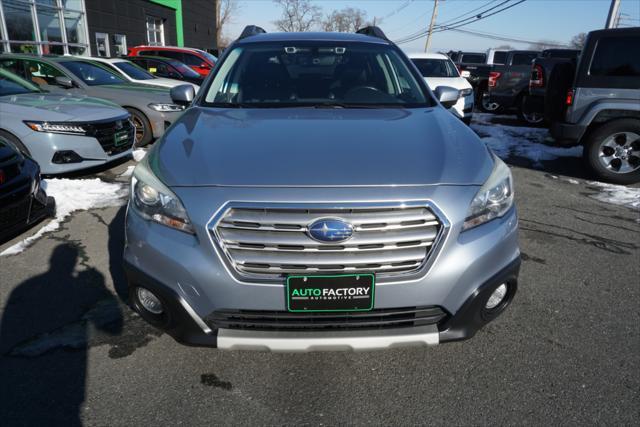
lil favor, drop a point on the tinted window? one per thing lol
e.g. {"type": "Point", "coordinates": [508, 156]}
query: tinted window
{"type": "Point", "coordinates": [184, 70]}
{"type": "Point", "coordinates": [133, 71]}
{"type": "Point", "coordinates": [192, 60]}
{"type": "Point", "coordinates": [148, 53]}
{"type": "Point", "coordinates": [91, 74]}
{"type": "Point", "coordinates": [209, 56]}
{"type": "Point", "coordinates": [523, 58]}
{"type": "Point", "coordinates": [171, 54]}
{"type": "Point", "coordinates": [435, 67]}
{"type": "Point", "coordinates": [315, 73]}
{"type": "Point", "coordinates": [13, 85]}
{"type": "Point", "coordinates": [13, 66]}
{"type": "Point", "coordinates": [473, 58]}
{"type": "Point", "coordinates": [499, 58]}
{"type": "Point", "coordinates": [616, 56]}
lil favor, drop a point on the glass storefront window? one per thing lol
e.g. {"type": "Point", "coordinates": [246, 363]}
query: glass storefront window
{"type": "Point", "coordinates": [77, 50]}
{"type": "Point", "coordinates": [49, 23]}
{"type": "Point", "coordinates": [75, 25]}
{"type": "Point", "coordinates": [53, 49]}
{"type": "Point", "coordinates": [119, 42]}
{"type": "Point", "coordinates": [23, 48]}
{"type": "Point", "coordinates": [17, 16]}
{"type": "Point", "coordinates": [72, 4]}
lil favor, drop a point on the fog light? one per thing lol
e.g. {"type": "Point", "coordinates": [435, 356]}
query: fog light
{"type": "Point", "coordinates": [496, 297]}
{"type": "Point", "coordinates": [149, 301]}
{"type": "Point", "coordinates": [67, 156]}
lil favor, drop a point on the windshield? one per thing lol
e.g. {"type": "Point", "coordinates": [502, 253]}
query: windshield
{"type": "Point", "coordinates": [315, 74]}
{"type": "Point", "coordinates": [133, 71]}
{"type": "Point", "coordinates": [11, 84]}
{"type": "Point", "coordinates": [435, 67]}
{"type": "Point", "coordinates": [185, 70]}
{"type": "Point", "coordinates": [473, 58]}
{"type": "Point", "coordinates": [92, 74]}
{"type": "Point", "coordinates": [207, 55]}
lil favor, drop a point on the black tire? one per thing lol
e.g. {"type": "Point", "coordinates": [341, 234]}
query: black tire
{"type": "Point", "coordinates": [529, 111]}
{"type": "Point", "coordinates": [144, 133]}
{"type": "Point", "coordinates": [559, 81]}
{"type": "Point", "coordinates": [484, 106]}
{"type": "Point", "coordinates": [15, 141]}
{"type": "Point", "coordinates": [593, 147]}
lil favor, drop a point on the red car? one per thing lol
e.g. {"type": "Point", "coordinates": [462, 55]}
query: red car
{"type": "Point", "coordinates": [200, 61]}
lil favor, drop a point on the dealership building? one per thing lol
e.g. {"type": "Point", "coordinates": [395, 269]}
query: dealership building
{"type": "Point", "coordinates": [104, 27]}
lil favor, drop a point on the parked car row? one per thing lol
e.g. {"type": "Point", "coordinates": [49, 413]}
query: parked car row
{"type": "Point", "coordinates": [589, 97]}
{"type": "Point", "coordinates": [61, 114]}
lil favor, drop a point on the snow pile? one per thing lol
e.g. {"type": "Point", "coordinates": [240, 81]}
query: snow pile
{"type": "Point", "coordinates": [514, 141]}
{"type": "Point", "coordinates": [616, 194]}
{"type": "Point", "coordinates": [73, 195]}
{"type": "Point", "coordinates": [128, 172]}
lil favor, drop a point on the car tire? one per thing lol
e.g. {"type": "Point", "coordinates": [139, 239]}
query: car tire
{"type": "Point", "coordinates": [528, 113]}
{"type": "Point", "coordinates": [144, 133]}
{"type": "Point", "coordinates": [15, 141]}
{"type": "Point", "coordinates": [603, 151]}
{"type": "Point", "coordinates": [485, 106]}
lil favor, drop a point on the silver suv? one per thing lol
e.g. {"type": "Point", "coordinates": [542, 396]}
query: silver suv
{"type": "Point", "coordinates": [316, 195]}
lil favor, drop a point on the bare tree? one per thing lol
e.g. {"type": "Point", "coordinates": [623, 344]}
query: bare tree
{"type": "Point", "coordinates": [225, 11]}
{"type": "Point", "coordinates": [578, 40]}
{"type": "Point", "coordinates": [298, 15]}
{"type": "Point", "coordinates": [347, 20]}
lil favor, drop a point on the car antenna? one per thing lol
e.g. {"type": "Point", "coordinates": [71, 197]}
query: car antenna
{"type": "Point", "coordinates": [373, 31]}
{"type": "Point", "coordinates": [251, 30]}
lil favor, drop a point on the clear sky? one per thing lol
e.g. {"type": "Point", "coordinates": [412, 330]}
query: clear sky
{"type": "Point", "coordinates": [557, 20]}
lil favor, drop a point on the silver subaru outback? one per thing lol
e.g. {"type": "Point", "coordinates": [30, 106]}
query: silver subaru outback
{"type": "Point", "coordinates": [316, 195]}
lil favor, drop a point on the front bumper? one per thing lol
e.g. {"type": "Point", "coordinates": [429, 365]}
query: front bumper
{"type": "Point", "coordinates": [463, 109]}
{"type": "Point", "coordinates": [43, 147]}
{"type": "Point", "coordinates": [186, 270]}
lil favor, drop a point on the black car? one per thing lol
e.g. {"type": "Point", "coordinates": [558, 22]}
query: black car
{"type": "Point", "coordinates": [22, 201]}
{"type": "Point", "coordinates": [167, 68]}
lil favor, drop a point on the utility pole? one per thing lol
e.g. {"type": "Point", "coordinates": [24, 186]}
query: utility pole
{"type": "Point", "coordinates": [614, 10]}
{"type": "Point", "coordinates": [433, 21]}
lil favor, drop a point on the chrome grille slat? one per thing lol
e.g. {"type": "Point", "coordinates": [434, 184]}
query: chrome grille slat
{"type": "Point", "coordinates": [268, 243]}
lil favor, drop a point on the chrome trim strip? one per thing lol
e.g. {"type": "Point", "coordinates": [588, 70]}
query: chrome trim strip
{"type": "Point", "coordinates": [287, 341]}
{"type": "Point", "coordinates": [206, 329]}
{"type": "Point", "coordinates": [405, 277]}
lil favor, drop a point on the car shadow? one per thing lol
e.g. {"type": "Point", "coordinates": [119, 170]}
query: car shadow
{"type": "Point", "coordinates": [45, 331]}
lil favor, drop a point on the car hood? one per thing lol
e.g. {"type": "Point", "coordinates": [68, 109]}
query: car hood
{"type": "Point", "coordinates": [320, 147]}
{"type": "Point", "coordinates": [131, 92]}
{"type": "Point", "coordinates": [51, 107]}
{"type": "Point", "coordinates": [454, 82]}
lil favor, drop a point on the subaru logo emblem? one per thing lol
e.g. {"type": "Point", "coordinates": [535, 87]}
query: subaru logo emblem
{"type": "Point", "coordinates": [330, 230]}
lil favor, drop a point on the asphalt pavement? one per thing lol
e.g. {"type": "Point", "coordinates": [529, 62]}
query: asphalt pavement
{"type": "Point", "coordinates": [567, 351]}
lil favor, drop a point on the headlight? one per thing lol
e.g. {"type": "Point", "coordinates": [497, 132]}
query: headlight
{"type": "Point", "coordinates": [166, 108]}
{"type": "Point", "coordinates": [494, 199]}
{"type": "Point", "coordinates": [155, 202]}
{"type": "Point", "coordinates": [466, 92]}
{"type": "Point", "coordinates": [53, 127]}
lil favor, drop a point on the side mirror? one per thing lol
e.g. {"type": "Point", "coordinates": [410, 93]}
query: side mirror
{"type": "Point", "coordinates": [447, 96]}
{"type": "Point", "coordinates": [182, 95]}
{"type": "Point", "coordinates": [65, 82]}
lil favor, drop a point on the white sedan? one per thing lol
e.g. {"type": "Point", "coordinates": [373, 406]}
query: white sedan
{"type": "Point", "coordinates": [439, 70]}
{"type": "Point", "coordinates": [136, 74]}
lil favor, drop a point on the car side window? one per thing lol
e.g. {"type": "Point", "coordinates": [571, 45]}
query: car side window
{"type": "Point", "coordinates": [171, 54]}
{"type": "Point", "coordinates": [523, 58]}
{"type": "Point", "coordinates": [616, 56]}
{"type": "Point", "coordinates": [41, 73]}
{"type": "Point", "coordinates": [161, 69]}
{"type": "Point", "coordinates": [148, 53]}
{"type": "Point", "coordinates": [14, 66]}
{"type": "Point", "coordinates": [192, 60]}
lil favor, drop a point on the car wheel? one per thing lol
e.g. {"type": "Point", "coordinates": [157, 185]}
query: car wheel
{"type": "Point", "coordinates": [486, 105]}
{"type": "Point", "coordinates": [612, 151]}
{"type": "Point", "coordinates": [15, 141]}
{"type": "Point", "coordinates": [144, 133]}
{"type": "Point", "coordinates": [528, 114]}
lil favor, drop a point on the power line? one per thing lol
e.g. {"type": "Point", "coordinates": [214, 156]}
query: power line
{"type": "Point", "coordinates": [469, 12]}
{"type": "Point", "coordinates": [511, 39]}
{"type": "Point", "coordinates": [448, 28]}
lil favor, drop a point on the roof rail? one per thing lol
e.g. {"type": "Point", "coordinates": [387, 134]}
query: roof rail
{"type": "Point", "coordinates": [251, 30]}
{"type": "Point", "coordinates": [373, 31]}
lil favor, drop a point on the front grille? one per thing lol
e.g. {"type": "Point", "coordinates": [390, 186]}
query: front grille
{"type": "Point", "coordinates": [115, 137]}
{"type": "Point", "coordinates": [284, 321]}
{"type": "Point", "coordinates": [273, 242]}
